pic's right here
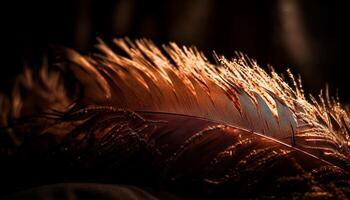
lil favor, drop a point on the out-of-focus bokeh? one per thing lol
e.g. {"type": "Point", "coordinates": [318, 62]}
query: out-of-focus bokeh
{"type": "Point", "coordinates": [310, 37]}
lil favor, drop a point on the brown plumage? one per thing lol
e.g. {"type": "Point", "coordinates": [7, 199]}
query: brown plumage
{"type": "Point", "coordinates": [219, 129]}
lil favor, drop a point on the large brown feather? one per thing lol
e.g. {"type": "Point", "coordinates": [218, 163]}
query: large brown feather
{"type": "Point", "coordinates": [229, 128]}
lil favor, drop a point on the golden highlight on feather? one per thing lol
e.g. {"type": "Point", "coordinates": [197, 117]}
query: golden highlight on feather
{"type": "Point", "coordinates": [235, 92]}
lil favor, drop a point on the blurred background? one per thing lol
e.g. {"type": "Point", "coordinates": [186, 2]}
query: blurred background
{"type": "Point", "coordinates": [310, 37]}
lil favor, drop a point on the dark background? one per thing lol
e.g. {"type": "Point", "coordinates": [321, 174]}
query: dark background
{"type": "Point", "coordinates": [310, 37]}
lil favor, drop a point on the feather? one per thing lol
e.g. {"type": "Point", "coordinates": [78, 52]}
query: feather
{"type": "Point", "coordinates": [233, 120]}
{"type": "Point", "coordinates": [236, 93]}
